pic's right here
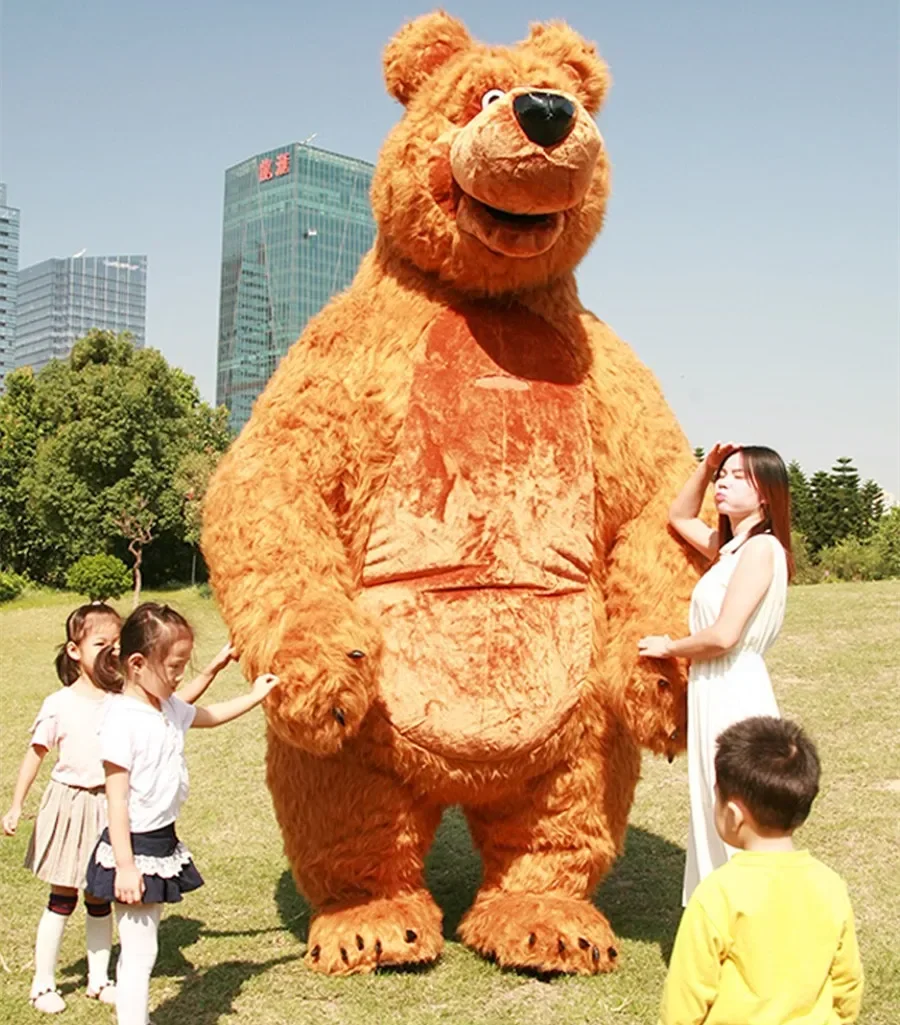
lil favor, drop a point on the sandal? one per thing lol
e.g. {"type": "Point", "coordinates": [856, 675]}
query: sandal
{"type": "Point", "coordinates": [105, 993]}
{"type": "Point", "coordinates": [48, 1001]}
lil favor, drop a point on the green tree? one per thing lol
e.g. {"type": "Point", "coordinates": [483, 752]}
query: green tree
{"type": "Point", "coordinates": [824, 526]}
{"type": "Point", "coordinates": [100, 577]}
{"type": "Point", "coordinates": [871, 500]}
{"type": "Point", "coordinates": [806, 570]}
{"type": "Point", "coordinates": [851, 559]}
{"type": "Point", "coordinates": [191, 481]}
{"type": "Point", "coordinates": [848, 509]}
{"type": "Point", "coordinates": [92, 439]}
{"type": "Point", "coordinates": [886, 541]}
{"type": "Point", "coordinates": [802, 504]}
{"type": "Point", "coordinates": [699, 453]}
{"type": "Point", "coordinates": [136, 527]}
{"type": "Point", "coordinates": [22, 546]}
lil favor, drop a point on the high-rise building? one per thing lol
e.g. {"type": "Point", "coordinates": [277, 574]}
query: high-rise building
{"type": "Point", "coordinates": [62, 299]}
{"type": "Point", "coordinates": [9, 270]}
{"type": "Point", "coordinates": [297, 222]}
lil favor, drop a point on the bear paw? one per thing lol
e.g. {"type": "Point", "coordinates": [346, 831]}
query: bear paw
{"type": "Point", "coordinates": [541, 932]}
{"type": "Point", "coordinates": [327, 685]}
{"type": "Point", "coordinates": [379, 932]}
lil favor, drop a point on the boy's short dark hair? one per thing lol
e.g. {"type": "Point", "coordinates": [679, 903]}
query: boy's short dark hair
{"type": "Point", "coordinates": [772, 767]}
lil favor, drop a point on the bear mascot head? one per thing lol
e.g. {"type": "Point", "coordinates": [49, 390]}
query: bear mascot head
{"type": "Point", "coordinates": [505, 177]}
{"type": "Point", "coordinates": [444, 527]}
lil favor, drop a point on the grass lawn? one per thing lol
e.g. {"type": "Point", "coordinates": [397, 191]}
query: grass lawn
{"type": "Point", "coordinates": [232, 951]}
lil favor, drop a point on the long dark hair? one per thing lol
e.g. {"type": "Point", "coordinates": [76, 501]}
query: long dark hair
{"type": "Point", "coordinates": [78, 625]}
{"type": "Point", "coordinates": [149, 631]}
{"type": "Point", "coordinates": [768, 474]}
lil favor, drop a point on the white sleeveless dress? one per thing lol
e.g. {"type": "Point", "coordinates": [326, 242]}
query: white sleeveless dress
{"type": "Point", "coordinates": [724, 691]}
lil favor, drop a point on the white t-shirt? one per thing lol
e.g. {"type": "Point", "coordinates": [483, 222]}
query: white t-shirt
{"type": "Point", "coordinates": [69, 720]}
{"type": "Point", "coordinates": [149, 743]}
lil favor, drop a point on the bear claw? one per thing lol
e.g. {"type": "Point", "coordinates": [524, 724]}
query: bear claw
{"type": "Point", "coordinates": [375, 933]}
{"type": "Point", "coordinates": [567, 934]}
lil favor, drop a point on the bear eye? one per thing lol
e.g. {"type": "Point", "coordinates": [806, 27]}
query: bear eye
{"type": "Point", "coordinates": [491, 96]}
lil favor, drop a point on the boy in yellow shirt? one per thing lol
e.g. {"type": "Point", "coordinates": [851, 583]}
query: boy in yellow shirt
{"type": "Point", "coordinates": [768, 938]}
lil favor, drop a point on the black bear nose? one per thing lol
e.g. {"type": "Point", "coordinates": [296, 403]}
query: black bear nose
{"type": "Point", "coordinates": [546, 118]}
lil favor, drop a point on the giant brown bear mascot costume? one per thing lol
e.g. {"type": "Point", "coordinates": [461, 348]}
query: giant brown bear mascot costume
{"type": "Point", "coordinates": [444, 528]}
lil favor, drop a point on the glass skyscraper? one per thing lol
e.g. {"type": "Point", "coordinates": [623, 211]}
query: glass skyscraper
{"type": "Point", "coordinates": [61, 300]}
{"type": "Point", "coordinates": [297, 222]}
{"type": "Point", "coordinates": [9, 270]}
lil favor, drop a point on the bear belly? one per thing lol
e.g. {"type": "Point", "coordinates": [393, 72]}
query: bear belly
{"type": "Point", "coordinates": [479, 558]}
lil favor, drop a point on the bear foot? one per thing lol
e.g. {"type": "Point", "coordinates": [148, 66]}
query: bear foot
{"type": "Point", "coordinates": [377, 932]}
{"type": "Point", "coordinates": [540, 932]}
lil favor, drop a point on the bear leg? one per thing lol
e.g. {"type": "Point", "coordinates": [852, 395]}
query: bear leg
{"type": "Point", "coordinates": [356, 840]}
{"type": "Point", "coordinates": [544, 852]}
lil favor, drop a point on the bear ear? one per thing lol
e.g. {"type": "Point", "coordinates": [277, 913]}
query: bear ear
{"type": "Point", "coordinates": [564, 47]}
{"type": "Point", "coordinates": [419, 49]}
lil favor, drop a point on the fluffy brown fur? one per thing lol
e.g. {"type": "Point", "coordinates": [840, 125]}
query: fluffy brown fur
{"type": "Point", "coordinates": [444, 527]}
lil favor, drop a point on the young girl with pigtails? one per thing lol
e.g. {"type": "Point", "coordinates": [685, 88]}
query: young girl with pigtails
{"type": "Point", "coordinates": [139, 862]}
{"type": "Point", "coordinates": [72, 812]}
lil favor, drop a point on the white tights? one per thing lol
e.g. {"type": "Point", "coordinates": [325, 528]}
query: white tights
{"type": "Point", "coordinates": [138, 927]}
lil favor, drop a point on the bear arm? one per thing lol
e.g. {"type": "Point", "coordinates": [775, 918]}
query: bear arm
{"type": "Point", "coordinates": [277, 563]}
{"type": "Point", "coordinates": [647, 591]}
{"type": "Point", "coordinates": [642, 460]}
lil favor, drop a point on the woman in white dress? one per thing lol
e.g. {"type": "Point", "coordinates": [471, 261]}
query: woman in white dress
{"type": "Point", "coordinates": [737, 609]}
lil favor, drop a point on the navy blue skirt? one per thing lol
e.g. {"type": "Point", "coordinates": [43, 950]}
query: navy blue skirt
{"type": "Point", "coordinates": [162, 859]}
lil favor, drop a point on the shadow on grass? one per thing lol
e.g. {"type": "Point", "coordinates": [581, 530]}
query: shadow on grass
{"type": "Point", "coordinates": [206, 997]}
{"type": "Point", "coordinates": [641, 896]}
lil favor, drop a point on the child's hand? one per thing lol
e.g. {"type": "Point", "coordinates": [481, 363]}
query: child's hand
{"type": "Point", "coordinates": [226, 655]}
{"type": "Point", "coordinates": [11, 820]}
{"type": "Point", "coordinates": [263, 684]}
{"type": "Point", "coordinates": [129, 885]}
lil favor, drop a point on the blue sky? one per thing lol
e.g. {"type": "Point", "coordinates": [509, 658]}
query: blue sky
{"type": "Point", "coordinates": [750, 253]}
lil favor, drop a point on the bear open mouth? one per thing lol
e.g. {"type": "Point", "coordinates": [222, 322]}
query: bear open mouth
{"type": "Point", "coordinates": [506, 233]}
{"type": "Point", "coordinates": [519, 220]}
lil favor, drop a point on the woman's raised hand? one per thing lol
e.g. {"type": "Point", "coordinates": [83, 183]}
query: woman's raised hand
{"type": "Point", "coordinates": [718, 454]}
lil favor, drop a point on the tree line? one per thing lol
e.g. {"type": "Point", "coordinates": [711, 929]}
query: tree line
{"type": "Point", "coordinates": [105, 453]}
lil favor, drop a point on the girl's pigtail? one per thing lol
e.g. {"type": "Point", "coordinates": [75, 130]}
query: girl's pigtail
{"type": "Point", "coordinates": [67, 669]}
{"type": "Point", "coordinates": [107, 672]}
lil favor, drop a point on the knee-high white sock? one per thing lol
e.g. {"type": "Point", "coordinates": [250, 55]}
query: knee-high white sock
{"type": "Point", "coordinates": [138, 928]}
{"type": "Point", "coordinates": [46, 950]}
{"type": "Point", "coordinates": [98, 933]}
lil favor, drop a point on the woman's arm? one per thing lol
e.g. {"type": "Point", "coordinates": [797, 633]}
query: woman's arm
{"type": "Point", "coordinates": [746, 589]}
{"type": "Point", "coordinates": [28, 771]}
{"type": "Point", "coordinates": [195, 690]}
{"type": "Point", "coordinates": [225, 711]}
{"type": "Point", "coordinates": [684, 512]}
{"type": "Point", "coordinates": [129, 884]}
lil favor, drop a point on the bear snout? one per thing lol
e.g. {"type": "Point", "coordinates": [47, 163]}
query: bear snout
{"type": "Point", "coordinates": [546, 118]}
{"type": "Point", "coordinates": [495, 159]}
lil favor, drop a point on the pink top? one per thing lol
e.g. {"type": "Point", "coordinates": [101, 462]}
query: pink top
{"type": "Point", "coordinates": [70, 721]}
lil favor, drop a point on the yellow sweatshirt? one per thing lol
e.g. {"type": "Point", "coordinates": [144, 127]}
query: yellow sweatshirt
{"type": "Point", "coordinates": [768, 939]}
